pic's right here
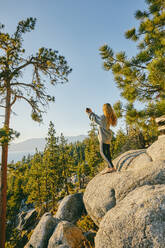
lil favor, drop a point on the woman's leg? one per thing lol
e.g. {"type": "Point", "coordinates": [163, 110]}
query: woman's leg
{"type": "Point", "coordinates": [108, 154]}
{"type": "Point", "coordinates": [103, 150]}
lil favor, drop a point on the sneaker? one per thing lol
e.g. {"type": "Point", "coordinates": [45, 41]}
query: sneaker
{"type": "Point", "coordinates": [109, 170]}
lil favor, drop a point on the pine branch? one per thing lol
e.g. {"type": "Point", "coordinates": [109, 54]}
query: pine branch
{"type": "Point", "coordinates": [22, 66]}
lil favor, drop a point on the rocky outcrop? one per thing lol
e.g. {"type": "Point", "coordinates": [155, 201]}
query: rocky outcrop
{"type": "Point", "coordinates": [136, 221]}
{"type": "Point", "coordinates": [66, 235]}
{"type": "Point", "coordinates": [129, 205]}
{"type": "Point", "coordinates": [42, 232]}
{"type": "Point", "coordinates": [125, 160]}
{"type": "Point", "coordinates": [70, 208]}
{"type": "Point", "coordinates": [26, 220]}
{"type": "Point", "coordinates": [157, 150]}
{"type": "Point", "coordinates": [105, 191]}
{"type": "Point", "coordinates": [59, 231]}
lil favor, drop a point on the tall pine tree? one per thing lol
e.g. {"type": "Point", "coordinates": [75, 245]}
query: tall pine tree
{"type": "Point", "coordinates": [34, 187]}
{"type": "Point", "coordinates": [52, 168]}
{"type": "Point", "coordinates": [92, 151]}
{"type": "Point", "coordinates": [142, 77]}
{"type": "Point", "coordinates": [47, 66]}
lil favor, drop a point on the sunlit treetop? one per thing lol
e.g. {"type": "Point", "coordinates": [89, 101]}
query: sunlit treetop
{"type": "Point", "coordinates": [47, 66]}
{"type": "Point", "coordinates": [141, 77]}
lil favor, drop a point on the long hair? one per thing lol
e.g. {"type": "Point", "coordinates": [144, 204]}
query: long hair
{"type": "Point", "coordinates": [110, 115]}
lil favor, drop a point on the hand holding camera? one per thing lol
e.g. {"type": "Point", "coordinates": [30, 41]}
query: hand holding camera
{"type": "Point", "coordinates": [88, 110]}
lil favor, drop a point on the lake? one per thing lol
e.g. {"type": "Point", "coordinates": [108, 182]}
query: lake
{"type": "Point", "coordinates": [17, 156]}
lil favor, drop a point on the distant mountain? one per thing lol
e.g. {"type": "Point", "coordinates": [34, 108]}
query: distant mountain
{"type": "Point", "coordinates": [28, 145]}
{"type": "Point", "coordinates": [31, 144]}
{"type": "Point", "coordinates": [73, 139]}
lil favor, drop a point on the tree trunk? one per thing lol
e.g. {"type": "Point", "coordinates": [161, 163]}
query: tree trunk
{"type": "Point", "coordinates": [3, 196]}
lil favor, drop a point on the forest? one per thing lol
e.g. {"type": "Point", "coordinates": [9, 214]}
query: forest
{"type": "Point", "coordinates": [43, 179]}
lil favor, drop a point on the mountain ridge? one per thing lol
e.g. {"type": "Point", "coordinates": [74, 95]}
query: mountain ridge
{"type": "Point", "coordinates": [30, 145]}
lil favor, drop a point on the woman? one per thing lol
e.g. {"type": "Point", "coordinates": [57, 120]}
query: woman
{"type": "Point", "coordinates": [104, 133]}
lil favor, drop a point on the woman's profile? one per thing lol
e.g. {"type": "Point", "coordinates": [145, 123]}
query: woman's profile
{"type": "Point", "coordinates": [104, 133]}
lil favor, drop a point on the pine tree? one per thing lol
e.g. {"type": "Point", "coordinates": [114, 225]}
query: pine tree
{"type": "Point", "coordinates": [119, 142]}
{"type": "Point", "coordinates": [92, 151]}
{"type": "Point", "coordinates": [46, 64]}
{"type": "Point", "coordinates": [17, 181]}
{"type": "Point", "coordinates": [65, 163]}
{"type": "Point", "coordinates": [35, 181]}
{"type": "Point", "coordinates": [143, 120]}
{"type": "Point", "coordinates": [142, 77]}
{"type": "Point", "coordinates": [52, 171]}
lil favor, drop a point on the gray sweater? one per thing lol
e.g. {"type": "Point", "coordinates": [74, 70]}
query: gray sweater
{"type": "Point", "coordinates": [104, 134]}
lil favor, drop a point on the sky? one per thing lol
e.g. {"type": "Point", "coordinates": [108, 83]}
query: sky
{"type": "Point", "coordinates": [77, 29]}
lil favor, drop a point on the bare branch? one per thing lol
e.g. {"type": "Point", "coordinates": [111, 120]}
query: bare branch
{"type": "Point", "coordinates": [26, 99]}
{"type": "Point", "coordinates": [23, 84]}
{"type": "Point", "coordinates": [23, 66]}
{"type": "Point", "coordinates": [31, 103]}
{"type": "Point", "coordinates": [14, 100]}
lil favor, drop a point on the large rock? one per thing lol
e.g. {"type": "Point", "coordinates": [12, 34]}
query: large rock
{"type": "Point", "coordinates": [70, 208]}
{"type": "Point", "coordinates": [42, 232]}
{"type": "Point", "coordinates": [123, 161]}
{"type": "Point", "coordinates": [136, 221]}
{"type": "Point", "coordinates": [128, 159]}
{"type": "Point", "coordinates": [104, 191]}
{"type": "Point", "coordinates": [66, 235]}
{"type": "Point", "coordinates": [157, 149]}
{"type": "Point", "coordinates": [141, 160]}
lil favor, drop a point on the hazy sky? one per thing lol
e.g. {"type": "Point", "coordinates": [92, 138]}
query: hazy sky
{"type": "Point", "coordinates": [77, 29]}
